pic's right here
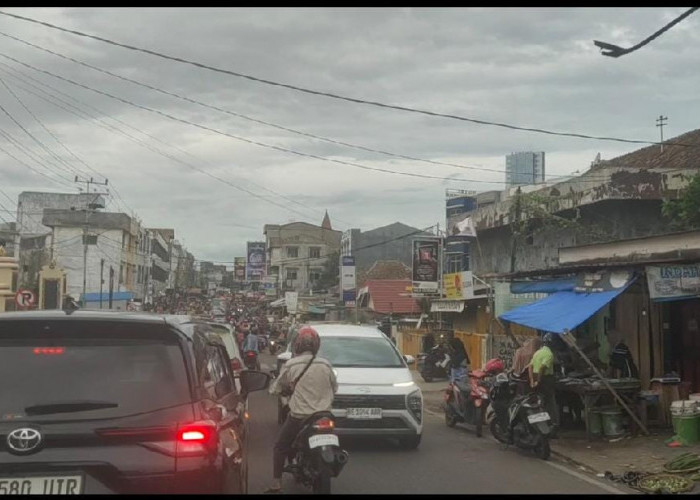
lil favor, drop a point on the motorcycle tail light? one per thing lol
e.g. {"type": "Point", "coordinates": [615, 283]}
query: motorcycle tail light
{"type": "Point", "coordinates": [324, 425]}
{"type": "Point", "coordinates": [250, 354]}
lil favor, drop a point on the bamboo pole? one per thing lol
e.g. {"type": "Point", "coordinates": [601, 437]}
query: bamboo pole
{"type": "Point", "coordinates": [568, 338]}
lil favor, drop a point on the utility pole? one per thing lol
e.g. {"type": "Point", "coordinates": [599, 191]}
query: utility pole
{"type": "Point", "coordinates": [660, 122]}
{"type": "Point", "coordinates": [102, 280]}
{"type": "Point", "coordinates": [88, 208]}
{"type": "Point", "coordinates": [111, 285]}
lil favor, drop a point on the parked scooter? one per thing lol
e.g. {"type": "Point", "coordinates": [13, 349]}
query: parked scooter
{"type": "Point", "coordinates": [434, 364]}
{"type": "Point", "coordinates": [518, 419]}
{"type": "Point", "coordinates": [466, 399]}
{"type": "Point", "coordinates": [316, 455]}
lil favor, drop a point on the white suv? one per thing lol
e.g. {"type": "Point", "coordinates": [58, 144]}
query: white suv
{"type": "Point", "coordinates": [376, 392]}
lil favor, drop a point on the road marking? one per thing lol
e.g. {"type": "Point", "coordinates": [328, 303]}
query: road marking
{"type": "Point", "coordinates": [584, 477]}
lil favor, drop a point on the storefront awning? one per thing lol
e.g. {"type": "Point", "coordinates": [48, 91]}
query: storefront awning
{"type": "Point", "coordinates": [278, 303]}
{"type": "Point", "coordinates": [561, 310]}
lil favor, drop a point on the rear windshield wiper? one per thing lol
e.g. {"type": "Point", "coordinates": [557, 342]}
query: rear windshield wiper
{"type": "Point", "coordinates": [67, 407]}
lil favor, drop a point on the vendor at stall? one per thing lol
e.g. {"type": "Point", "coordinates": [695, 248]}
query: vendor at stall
{"type": "Point", "coordinates": [621, 362]}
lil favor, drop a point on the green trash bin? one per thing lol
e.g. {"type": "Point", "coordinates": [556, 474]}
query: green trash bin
{"type": "Point", "coordinates": [687, 427]}
{"type": "Point", "coordinates": [612, 422]}
{"type": "Point", "coordinates": [595, 425]}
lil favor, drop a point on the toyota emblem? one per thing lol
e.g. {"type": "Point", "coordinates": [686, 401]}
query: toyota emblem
{"type": "Point", "coordinates": [24, 440]}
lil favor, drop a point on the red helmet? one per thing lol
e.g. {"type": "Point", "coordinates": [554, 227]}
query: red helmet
{"type": "Point", "coordinates": [307, 340]}
{"type": "Point", "coordinates": [494, 365]}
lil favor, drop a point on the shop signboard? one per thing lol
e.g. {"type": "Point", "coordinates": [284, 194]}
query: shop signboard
{"type": "Point", "coordinates": [347, 280]}
{"type": "Point", "coordinates": [459, 286]}
{"type": "Point", "coordinates": [602, 281]}
{"type": "Point", "coordinates": [239, 268]}
{"type": "Point", "coordinates": [269, 285]}
{"type": "Point", "coordinates": [255, 266]}
{"type": "Point", "coordinates": [673, 282]}
{"type": "Point", "coordinates": [426, 265]}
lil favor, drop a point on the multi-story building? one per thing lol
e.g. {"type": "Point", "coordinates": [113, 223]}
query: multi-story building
{"type": "Point", "coordinates": [160, 262]}
{"type": "Point", "coordinates": [524, 168]}
{"type": "Point", "coordinates": [298, 252]}
{"type": "Point", "coordinates": [386, 243]}
{"type": "Point", "coordinates": [112, 243]}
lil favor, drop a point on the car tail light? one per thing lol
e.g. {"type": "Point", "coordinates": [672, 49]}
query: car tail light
{"type": "Point", "coordinates": [49, 350]}
{"type": "Point", "coordinates": [236, 364]}
{"type": "Point", "coordinates": [324, 425]}
{"type": "Point", "coordinates": [193, 439]}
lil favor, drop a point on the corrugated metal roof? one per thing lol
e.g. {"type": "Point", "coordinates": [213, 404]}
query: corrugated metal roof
{"type": "Point", "coordinates": [390, 296]}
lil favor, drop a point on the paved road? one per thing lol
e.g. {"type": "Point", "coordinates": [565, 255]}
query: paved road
{"type": "Point", "coordinates": [447, 461]}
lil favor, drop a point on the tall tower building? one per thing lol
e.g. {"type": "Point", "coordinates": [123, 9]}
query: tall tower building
{"type": "Point", "coordinates": [524, 168]}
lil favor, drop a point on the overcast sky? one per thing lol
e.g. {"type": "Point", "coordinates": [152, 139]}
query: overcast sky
{"type": "Point", "coordinates": [531, 67]}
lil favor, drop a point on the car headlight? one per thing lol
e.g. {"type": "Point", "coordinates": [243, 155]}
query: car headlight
{"type": "Point", "coordinates": [404, 384]}
{"type": "Point", "coordinates": [414, 402]}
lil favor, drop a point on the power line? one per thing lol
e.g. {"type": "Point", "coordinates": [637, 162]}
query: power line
{"type": "Point", "coordinates": [245, 117]}
{"type": "Point", "coordinates": [156, 150]}
{"type": "Point", "coordinates": [27, 165]}
{"type": "Point", "coordinates": [610, 50]}
{"type": "Point", "coordinates": [243, 139]}
{"type": "Point", "coordinates": [321, 93]}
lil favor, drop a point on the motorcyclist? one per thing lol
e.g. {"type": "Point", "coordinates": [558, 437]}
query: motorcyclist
{"type": "Point", "coordinates": [541, 370]}
{"type": "Point", "coordinates": [309, 382]}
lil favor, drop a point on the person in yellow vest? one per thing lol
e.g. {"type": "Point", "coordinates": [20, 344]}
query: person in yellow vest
{"type": "Point", "coordinates": [541, 372]}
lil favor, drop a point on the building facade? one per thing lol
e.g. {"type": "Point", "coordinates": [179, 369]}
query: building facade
{"type": "Point", "coordinates": [298, 252]}
{"type": "Point", "coordinates": [524, 168]}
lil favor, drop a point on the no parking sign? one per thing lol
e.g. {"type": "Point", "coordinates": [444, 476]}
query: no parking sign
{"type": "Point", "coordinates": [25, 298]}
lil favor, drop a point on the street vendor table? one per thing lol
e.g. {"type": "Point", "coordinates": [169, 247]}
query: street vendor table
{"type": "Point", "coordinates": [591, 390]}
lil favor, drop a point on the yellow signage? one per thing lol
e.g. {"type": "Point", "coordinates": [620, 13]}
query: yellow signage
{"type": "Point", "coordinates": [458, 285]}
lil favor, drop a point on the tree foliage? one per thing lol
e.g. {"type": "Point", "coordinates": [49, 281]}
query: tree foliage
{"type": "Point", "coordinates": [684, 212]}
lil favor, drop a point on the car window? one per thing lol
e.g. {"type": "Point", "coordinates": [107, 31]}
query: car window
{"type": "Point", "coordinates": [136, 375]}
{"type": "Point", "coordinates": [214, 376]}
{"type": "Point", "coordinates": [360, 352]}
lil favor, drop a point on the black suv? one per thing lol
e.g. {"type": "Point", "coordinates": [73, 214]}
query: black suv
{"type": "Point", "coordinates": [99, 402]}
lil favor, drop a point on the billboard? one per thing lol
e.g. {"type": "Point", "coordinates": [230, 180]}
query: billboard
{"type": "Point", "coordinates": [291, 301]}
{"type": "Point", "coordinates": [269, 284]}
{"type": "Point", "coordinates": [255, 267]}
{"type": "Point", "coordinates": [459, 286]}
{"type": "Point", "coordinates": [239, 268]}
{"type": "Point", "coordinates": [426, 265]}
{"type": "Point", "coordinates": [347, 280]}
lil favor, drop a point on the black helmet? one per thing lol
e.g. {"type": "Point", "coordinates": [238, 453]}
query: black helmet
{"type": "Point", "coordinates": [548, 339]}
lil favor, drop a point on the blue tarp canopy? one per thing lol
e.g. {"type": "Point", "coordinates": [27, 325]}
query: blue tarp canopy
{"type": "Point", "coordinates": [561, 310]}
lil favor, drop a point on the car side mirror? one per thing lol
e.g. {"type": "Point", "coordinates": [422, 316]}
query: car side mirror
{"type": "Point", "coordinates": [284, 357]}
{"type": "Point", "coordinates": [409, 359]}
{"type": "Point", "coordinates": [252, 380]}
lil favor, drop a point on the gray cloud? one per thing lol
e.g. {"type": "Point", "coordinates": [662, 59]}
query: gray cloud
{"type": "Point", "coordinates": [533, 67]}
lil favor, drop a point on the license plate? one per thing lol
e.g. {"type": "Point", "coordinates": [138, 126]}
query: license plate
{"type": "Point", "coordinates": [364, 413]}
{"type": "Point", "coordinates": [323, 440]}
{"type": "Point", "coordinates": [41, 485]}
{"type": "Point", "coordinates": [538, 417]}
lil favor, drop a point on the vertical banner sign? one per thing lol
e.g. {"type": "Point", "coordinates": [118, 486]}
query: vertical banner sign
{"type": "Point", "coordinates": [269, 284]}
{"type": "Point", "coordinates": [426, 260]}
{"type": "Point", "coordinates": [239, 268]}
{"type": "Point", "coordinates": [256, 261]}
{"type": "Point", "coordinates": [347, 280]}
{"type": "Point", "coordinates": [291, 300]}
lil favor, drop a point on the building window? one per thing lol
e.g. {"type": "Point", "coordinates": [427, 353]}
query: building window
{"type": "Point", "coordinates": [293, 252]}
{"type": "Point", "coordinates": [314, 275]}
{"type": "Point", "coordinates": [291, 274]}
{"type": "Point", "coordinates": [314, 252]}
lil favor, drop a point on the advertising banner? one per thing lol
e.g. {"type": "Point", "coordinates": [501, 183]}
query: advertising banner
{"type": "Point", "coordinates": [291, 301]}
{"type": "Point", "coordinates": [239, 268]}
{"type": "Point", "coordinates": [347, 280]}
{"type": "Point", "coordinates": [255, 268]}
{"type": "Point", "coordinates": [269, 285]}
{"type": "Point", "coordinates": [602, 281]}
{"type": "Point", "coordinates": [459, 286]}
{"type": "Point", "coordinates": [426, 263]}
{"type": "Point", "coordinates": [673, 282]}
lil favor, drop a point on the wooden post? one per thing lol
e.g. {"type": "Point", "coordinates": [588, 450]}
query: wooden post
{"type": "Point", "coordinates": [506, 329]}
{"type": "Point", "coordinates": [568, 338]}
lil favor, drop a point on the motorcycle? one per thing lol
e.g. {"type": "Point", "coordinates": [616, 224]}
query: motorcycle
{"type": "Point", "coordinates": [466, 400]}
{"type": "Point", "coordinates": [263, 342]}
{"type": "Point", "coordinates": [434, 364]}
{"type": "Point", "coordinates": [276, 345]}
{"type": "Point", "coordinates": [518, 419]}
{"type": "Point", "coordinates": [316, 456]}
{"type": "Point", "coordinates": [250, 359]}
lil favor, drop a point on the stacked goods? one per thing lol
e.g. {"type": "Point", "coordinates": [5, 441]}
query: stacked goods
{"type": "Point", "coordinates": [665, 483]}
{"type": "Point", "coordinates": [686, 462]}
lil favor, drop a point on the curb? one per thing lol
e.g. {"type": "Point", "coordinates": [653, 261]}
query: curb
{"type": "Point", "coordinates": [589, 470]}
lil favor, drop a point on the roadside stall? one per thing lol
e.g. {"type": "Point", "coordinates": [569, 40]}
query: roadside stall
{"type": "Point", "coordinates": [562, 312]}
